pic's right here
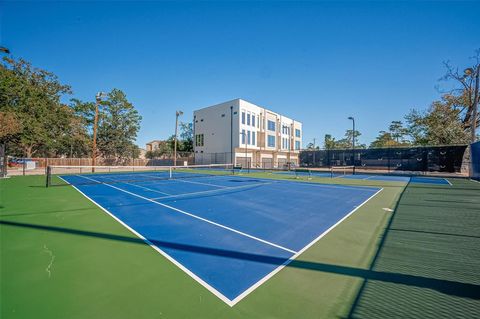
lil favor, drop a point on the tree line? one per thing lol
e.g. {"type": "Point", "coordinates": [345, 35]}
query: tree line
{"type": "Point", "coordinates": [446, 121]}
{"type": "Point", "coordinates": [34, 122]}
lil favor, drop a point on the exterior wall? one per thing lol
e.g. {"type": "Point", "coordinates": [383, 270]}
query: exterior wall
{"type": "Point", "coordinates": [153, 145]}
{"type": "Point", "coordinates": [214, 125]}
{"type": "Point", "coordinates": [252, 120]}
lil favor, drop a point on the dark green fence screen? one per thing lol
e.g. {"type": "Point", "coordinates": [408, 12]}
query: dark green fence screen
{"type": "Point", "coordinates": [427, 159]}
{"type": "Point", "coordinates": [475, 155]}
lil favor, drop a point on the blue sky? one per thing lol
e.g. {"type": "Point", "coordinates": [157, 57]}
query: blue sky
{"type": "Point", "coordinates": [317, 62]}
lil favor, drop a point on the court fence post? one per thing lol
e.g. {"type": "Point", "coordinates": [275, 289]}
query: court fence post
{"type": "Point", "coordinates": [49, 173]}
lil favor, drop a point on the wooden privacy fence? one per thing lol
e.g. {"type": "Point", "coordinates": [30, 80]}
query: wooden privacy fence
{"type": "Point", "coordinates": [44, 162]}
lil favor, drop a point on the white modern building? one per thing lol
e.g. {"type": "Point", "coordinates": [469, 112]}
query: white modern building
{"type": "Point", "coordinates": [236, 130]}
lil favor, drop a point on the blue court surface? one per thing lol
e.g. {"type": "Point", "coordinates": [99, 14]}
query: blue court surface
{"type": "Point", "coordinates": [393, 178]}
{"type": "Point", "coordinates": [229, 233]}
{"type": "Point", "coordinates": [373, 177]}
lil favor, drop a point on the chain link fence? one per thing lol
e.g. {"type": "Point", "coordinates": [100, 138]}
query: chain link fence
{"type": "Point", "coordinates": [446, 159]}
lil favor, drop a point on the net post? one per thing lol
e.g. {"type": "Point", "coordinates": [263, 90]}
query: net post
{"type": "Point", "coordinates": [49, 174]}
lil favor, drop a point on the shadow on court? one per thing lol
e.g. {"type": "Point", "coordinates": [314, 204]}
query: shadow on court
{"type": "Point", "coordinates": [448, 287]}
{"type": "Point", "coordinates": [426, 238]}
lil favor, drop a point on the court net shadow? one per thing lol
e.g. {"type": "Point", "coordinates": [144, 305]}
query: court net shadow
{"type": "Point", "coordinates": [449, 287]}
{"type": "Point", "coordinates": [431, 242]}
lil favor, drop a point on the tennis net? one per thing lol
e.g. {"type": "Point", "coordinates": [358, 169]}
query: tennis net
{"type": "Point", "coordinates": [81, 175]}
{"type": "Point", "coordinates": [339, 171]}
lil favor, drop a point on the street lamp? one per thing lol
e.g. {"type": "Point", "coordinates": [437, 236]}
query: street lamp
{"type": "Point", "coordinates": [469, 72]}
{"type": "Point", "coordinates": [98, 99]}
{"type": "Point", "coordinates": [177, 114]}
{"type": "Point", "coordinates": [246, 147]}
{"type": "Point", "coordinates": [353, 142]}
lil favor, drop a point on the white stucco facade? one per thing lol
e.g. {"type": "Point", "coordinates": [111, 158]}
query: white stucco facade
{"type": "Point", "coordinates": [237, 129]}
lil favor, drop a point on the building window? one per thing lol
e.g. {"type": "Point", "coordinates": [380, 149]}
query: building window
{"type": "Point", "coordinates": [271, 140]}
{"type": "Point", "coordinates": [248, 119]}
{"type": "Point", "coordinates": [271, 126]}
{"type": "Point", "coordinates": [253, 120]}
{"type": "Point", "coordinates": [297, 132]}
{"type": "Point", "coordinates": [297, 145]}
{"type": "Point", "coordinates": [199, 140]}
{"type": "Point", "coordinates": [223, 115]}
{"type": "Point", "coordinates": [243, 117]}
{"type": "Point", "coordinates": [243, 136]}
{"type": "Point", "coordinates": [248, 137]}
{"type": "Point", "coordinates": [253, 139]}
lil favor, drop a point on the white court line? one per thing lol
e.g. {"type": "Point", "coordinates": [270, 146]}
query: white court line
{"type": "Point", "coordinates": [164, 254]}
{"type": "Point", "coordinates": [369, 177]}
{"type": "Point", "coordinates": [448, 182]}
{"type": "Point", "coordinates": [229, 302]}
{"type": "Point", "coordinates": [139, 186]}
{"type": "Point", "coordinates": [226, 189]}
{"type": "Point", "coordinates": [272, 180]}
{"type": "Point", "coordinates": [195, 216]}
{"type": "Point", "coordinates": [200, 183]}
{"type": "Point", "coordinates": [271, 274]}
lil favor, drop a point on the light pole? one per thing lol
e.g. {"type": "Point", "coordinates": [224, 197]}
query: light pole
{"type": "Point", "coordinates": [469, 72]}
{"type": "Point", "coordinates": [98, 99]}
{"type": "Point", "coordinates": [246, 147]}
{"type": "Point", "coordinates": [314, 150]}
{"type": "Point", "coordinates": [177, 114]}
{"type": "Point", "coordinates": [353, 142]}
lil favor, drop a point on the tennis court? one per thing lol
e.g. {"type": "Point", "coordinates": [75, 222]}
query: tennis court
{"type": "Point", "coordinates": [211, 242]}
{"type": "Point", "coordinates": [348, 173]}
{"type": "Point", "coordinates": [230, 233]}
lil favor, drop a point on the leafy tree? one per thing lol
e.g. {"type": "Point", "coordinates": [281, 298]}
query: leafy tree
{"type": "Point", "coordinates": [119, 124]}
{"type": "Point", "coordinates": [396, 136]}
{"type": "Point", "coordinates": [346, 142]}
{"type": "Point", "coordinates": [329, 142]}
{"type": "Point", "coordinates": [186, 137]}
{"type": "Point", "coordinates": [10, 126]}
{"type": "Point", "coordinates": [33, 95]}
{"type": "Point", "coordinates": [464, 96]}
{"type": "Point", "coordinates": [441, 124]}
{"type": "Point", "coordinates": [398, 132]}
{"type": "Point", "coordinates": [384, 139]}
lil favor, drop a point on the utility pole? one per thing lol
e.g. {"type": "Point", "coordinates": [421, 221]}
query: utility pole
{"type": "Point", "coordinates": [98, 99]}
{"type": "Point", "coordinates": [177, 114]}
